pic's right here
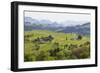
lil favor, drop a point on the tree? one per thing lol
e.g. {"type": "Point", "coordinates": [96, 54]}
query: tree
{"type": "Point", "coordinates": [29, 57]}
{"type": "Point", "coordinates": [66, 37]}
{"type": "Point", "coordinates": [55, 49]}
{"type": "Point", "coordinates": [68, 54]}
{"type": "Point", "coordinates": [84, 55]}
{"type": "Point", "coordinates": [42, 55]}
{"type": "Point", "coordinates": [65, 46]}
{"type": "Point", "coordinates": [79, 37]}
{"type": "Point", "coordinates": [37, 46]}
{"type": "Point", "coordinates": [60, 55]}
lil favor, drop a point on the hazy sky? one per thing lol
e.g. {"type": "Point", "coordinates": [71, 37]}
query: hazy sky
{"type": "Point", "coordinates": [58, 17]}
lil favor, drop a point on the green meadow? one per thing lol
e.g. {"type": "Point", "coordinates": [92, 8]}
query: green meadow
{"type": "Point", "coordinates": [43, 45]}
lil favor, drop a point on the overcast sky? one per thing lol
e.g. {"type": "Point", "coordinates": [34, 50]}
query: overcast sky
{"type": "Point", "coordinates": [58, 17]}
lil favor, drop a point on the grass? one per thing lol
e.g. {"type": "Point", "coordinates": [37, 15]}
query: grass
{"type": "Point", "coordinates": [61, 38]}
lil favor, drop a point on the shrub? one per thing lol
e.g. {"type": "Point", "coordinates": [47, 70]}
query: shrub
{"type": "Point", "coordinates": [68, 53]}
{"type": "Point", "coordinates": [42, 55]}
{"type": "Point", "coordinates": [66, 38]}
{"type": "Point", "coordinates": [60, 55]}
{"type": "Point", "coordinates": [79, 37]}
{"type": "Point", "coordinates": [29, 57]}
{"type": "Point", "coordinates": [54, 50]}
{"type": "Point", "coordinates": [36, 46]}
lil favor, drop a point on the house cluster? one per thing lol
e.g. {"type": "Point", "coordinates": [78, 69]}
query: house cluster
{"type": "Point", "coordinates": [43, 39]}
{"type": "Point", "coordinates": [78, 37]}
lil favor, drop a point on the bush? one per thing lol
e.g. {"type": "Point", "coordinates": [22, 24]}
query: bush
{"type": "Point", "coordinates": [42, 55]}
{"type": "Point", "coordinates": [66, 38]}
{"type": "Point", "coordinates": [60, 55]}
{"type": "Point", "coordinates": [81, 52]}
{"type": "Point", "coordinates": [84, 55]}
{"type": "Point", "coordinates": [54, 50]}
{"type": "Point", "coordinates": [79, 37]}
{"type": "Point", "coordinates": [36, 46]}
{"type": "Point", "coordinates": [29, 57]}
{"type": "Point", "coordinates": [68, 53]}
{"type": "Point", "coordinates": [50, 58]}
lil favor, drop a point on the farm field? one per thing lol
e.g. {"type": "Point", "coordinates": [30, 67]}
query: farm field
{"type": "Point", "coordinates": [45, 45]}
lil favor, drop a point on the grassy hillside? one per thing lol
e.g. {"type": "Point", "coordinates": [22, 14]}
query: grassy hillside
{"type": "Point", "coordinates": [41, 45]}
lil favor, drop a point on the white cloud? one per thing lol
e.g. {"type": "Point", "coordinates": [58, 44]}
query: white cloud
{"type": "Point", "coordinates": [58, 17]}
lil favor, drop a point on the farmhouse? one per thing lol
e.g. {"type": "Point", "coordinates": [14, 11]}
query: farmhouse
{"type": "Point", "coordinates": [78, 37]}
{"type": "Point", "coordinates": [43, 39]}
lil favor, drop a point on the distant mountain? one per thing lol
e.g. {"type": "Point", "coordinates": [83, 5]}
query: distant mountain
{"type": "Point", "coordinates": [83, 29]}
{"type": "Point", "coordinates": [28, 21]}
{"type": "Point", "coordinates": [34, 24]}
{"type": "Point", "coordinates": [71, 23]}
{"type": "Point", "coordinates": [31, 21]}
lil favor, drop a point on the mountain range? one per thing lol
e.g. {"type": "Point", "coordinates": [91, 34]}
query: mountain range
{"type": "Point", "coordinates": [65, 27]}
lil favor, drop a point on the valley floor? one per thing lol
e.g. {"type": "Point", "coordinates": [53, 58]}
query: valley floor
{"type": "Point", "coordinates": [43, 45]}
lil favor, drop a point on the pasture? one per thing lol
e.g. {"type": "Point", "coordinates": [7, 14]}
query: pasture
{"type": "Point", "coordinates": [43, 45]}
